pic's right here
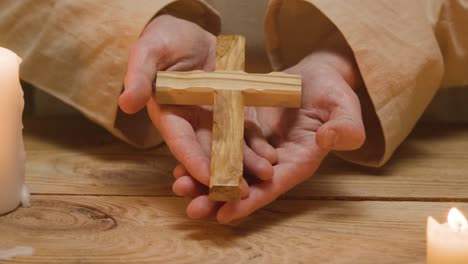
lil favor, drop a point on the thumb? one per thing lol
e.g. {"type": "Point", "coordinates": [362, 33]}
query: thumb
{"type": "Point", "coordinates": [143, 63]}
{"type": "Point", "coordinates": [343, 131]}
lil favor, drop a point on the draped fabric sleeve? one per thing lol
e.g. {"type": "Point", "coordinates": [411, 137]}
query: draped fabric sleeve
{"type": "Point", "coordinates": [405, 51]}
{"type": "Point", "coordinates": [77, 52]}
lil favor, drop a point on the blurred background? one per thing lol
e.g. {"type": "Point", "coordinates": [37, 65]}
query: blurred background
{"type": "Point", "coordinates": [246, 18]}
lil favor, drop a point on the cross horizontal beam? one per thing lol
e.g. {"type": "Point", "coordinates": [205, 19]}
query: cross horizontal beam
{"type": "Point", "coordinates": [228, 90]}
{"type": "Point", "coordinates": [274, 89]}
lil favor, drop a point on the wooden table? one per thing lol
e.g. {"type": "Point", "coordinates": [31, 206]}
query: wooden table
{"type": "Point", "coordinates": [97, 200]}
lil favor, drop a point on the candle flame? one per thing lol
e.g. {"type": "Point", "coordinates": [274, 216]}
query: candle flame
{"type": "Point", "coordinates": [456, 220]}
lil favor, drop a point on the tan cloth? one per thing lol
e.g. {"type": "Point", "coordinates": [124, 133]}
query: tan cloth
{"type": "Point", "coordinates": [406, 50]}
{"type": "Point", "coordinates": [77, 51]}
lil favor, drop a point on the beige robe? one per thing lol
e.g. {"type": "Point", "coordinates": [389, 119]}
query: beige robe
{"type": "Point", "coordinates": [405, 50]}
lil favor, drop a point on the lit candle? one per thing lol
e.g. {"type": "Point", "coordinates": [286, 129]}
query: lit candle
{"type": "Point", "coordinates": [448, 243]}
{"type": "Point", "coordinates": [12, 157]}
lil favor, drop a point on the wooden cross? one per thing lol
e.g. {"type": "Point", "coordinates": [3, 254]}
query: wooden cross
{"type": "Point", "coordinates": [228, 90]}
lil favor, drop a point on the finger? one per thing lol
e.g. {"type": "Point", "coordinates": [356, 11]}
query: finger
{"type": "Point", "coordinates": [204, 136]}
{"type": "Point", "coordinates": [345, 129]}
{"type": "Point", "coordinates": [256, 165]}
{"type": "Point", "coordinates": [202, 207]}
{"type": "Point", "coordinates": [259, 196]}
{"type": "Point", "coordinates": [190, 65]}
{"type": "Point", "coordinates": [194, 188]}
{"type": "Point", "coordinates": [179, 171]}
{"type": "Point", "coordinates": [258, 143]}
{"type": "Point", "coordinates": [187, 186]}
{"type": "Point", "coordinates": [181, 140]}
{"type": "Point", "coordinates": [141, 72]}
{"type": "Point", "coordinates": [286, 175]}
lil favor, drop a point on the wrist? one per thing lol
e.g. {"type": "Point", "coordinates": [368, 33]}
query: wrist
{"type": "Point", "coordinates": [334, 54]}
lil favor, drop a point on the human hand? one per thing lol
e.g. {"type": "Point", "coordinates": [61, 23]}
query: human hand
{"type": "Point", "coordinates": [166, 44]}
{"type": "Point", "coordinates": [329, 119]}
{"type": "Point", "coordinates": [173, 44]}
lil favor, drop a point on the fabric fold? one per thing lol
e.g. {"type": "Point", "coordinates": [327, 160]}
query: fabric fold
{"type": "Point", "coordinates": [77, 52]}
{"type": "Point", "coordinates": [396, 51]}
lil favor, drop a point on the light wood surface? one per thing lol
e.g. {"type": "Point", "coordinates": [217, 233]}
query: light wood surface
{"type": "Point", "coordinates": [227, 146]}
{"type": "Point", "coordinates": [228, 125]}
{"type": "Point", "coordinates": [197, 87]}
{"type": "Point", "coordinates": [92, 229]}
{"type": "Point", "coordinates": [230, 53]}
{"type": "Point", "coordinates": [97, 200]}
{"type": "Point", "coordinates": [80, 158]}
{"type": "Point", "coordinates": [228, 92]}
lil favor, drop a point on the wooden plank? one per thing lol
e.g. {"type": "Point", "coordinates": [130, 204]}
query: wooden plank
{"type": "Point", "coordinates": [197, 87]}
{"type": "Point", "coordinates": [430, 164]}
{"type": "Point", "coordinates": [227, 146]}
{"type": "Point", "coordinates": [74, 172]}
{"type": "Point", "coordinates": [74, 156]}
{"type": "Point", "coordinates": [230, 53]}
{"type": "Point", "coordinates": [228, 125]}
{"type": "Point", "coordinates": [89, 229]}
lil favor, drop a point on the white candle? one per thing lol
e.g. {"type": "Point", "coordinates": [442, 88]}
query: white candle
{"type": "Point", "coordinates": [12, 157]}
{"type": "Point", "coordinates": [448, 243]}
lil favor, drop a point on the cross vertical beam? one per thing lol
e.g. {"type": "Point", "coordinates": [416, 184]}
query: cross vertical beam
{"type": "Point", "coordinates": [228, 125]}
{"type": "Point", "coordinates": [228, 89]}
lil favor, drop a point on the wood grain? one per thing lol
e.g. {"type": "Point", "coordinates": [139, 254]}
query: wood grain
{"type": "Point", "coordinates": [228, 125]}
{"type": "Point", "coordinates": [227, 146]}
{"type": "Point", "coordinates": [430, 165]}
{"type": "Point", "coordinates": [230, 53]}
{"type": "Point", "coordinates": [274, 89]}
{"type": "Point", "coordinates": [228, 92]}
{"type": "Point", "coordinates": [90, 229]}
{"type": "Point", "coordinates": [74, 156]}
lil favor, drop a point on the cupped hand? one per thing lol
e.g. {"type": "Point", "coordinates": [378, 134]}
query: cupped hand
{"type": "Point", "coordinates": [329, 119]}
{"type": "Point", "coordinates": [167, 43]}
{"type": "Point", "coordinates": [173, 44]}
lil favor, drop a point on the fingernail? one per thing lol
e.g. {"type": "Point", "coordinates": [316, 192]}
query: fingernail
{"type": "Point", "coordinates": [331, 138]}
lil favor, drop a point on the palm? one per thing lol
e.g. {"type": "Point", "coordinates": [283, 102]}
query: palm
{"type": "Point", "coordinates": [302, 137]}
{"type": "Point", "coordinates": [292, 133]}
